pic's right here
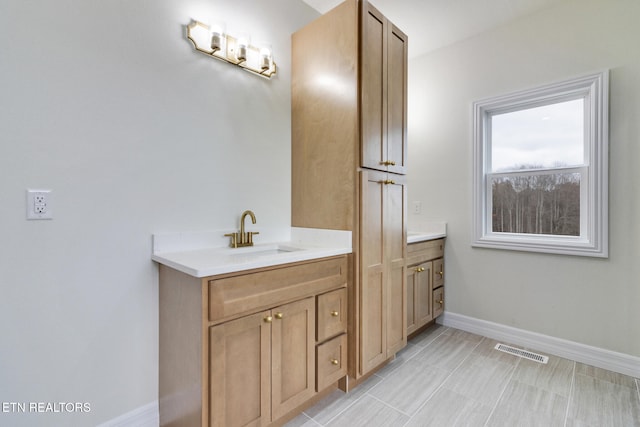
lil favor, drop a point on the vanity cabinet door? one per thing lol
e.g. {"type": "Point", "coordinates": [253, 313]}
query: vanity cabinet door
{"type": "Point", "coordinates": [424, 305]}
{"type": "Point", "coordinates": [412, 277]}
{"type": "Point", "coordinates": [240, 372]}
{"type": "Point", "coordinates": [438, 301]}
{"type": "Point", "coordinates": [293, 354]}
{"type": "Point", "coordinates": [262, 366]}
{"type": "Point", "coordinates": [419, 296]}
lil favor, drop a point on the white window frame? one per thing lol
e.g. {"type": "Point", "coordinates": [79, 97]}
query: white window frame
{"type": "Point", "coordinates": [593, 239]}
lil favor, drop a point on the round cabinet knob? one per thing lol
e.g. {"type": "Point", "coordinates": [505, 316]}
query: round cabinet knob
{"type": "Point", "coordinates": [441, 302]}
{"type": "Point", "coordinates": [335, 313]}
{"type": "Point", "coordinates": [279, 315]}
{"type": "Point", "coordinates": [268, 319]}
{"type": "Point", "coordinates": [441, 273]}
{"type": "Point", "coordinates": [334, 361]}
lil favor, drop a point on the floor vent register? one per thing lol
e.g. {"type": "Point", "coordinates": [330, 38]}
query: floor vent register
{"type": "Point", "coordinates": [522, 353]}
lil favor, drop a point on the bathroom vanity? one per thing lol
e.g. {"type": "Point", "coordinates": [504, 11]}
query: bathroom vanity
{"type": "Point", "coordinates": [249, 336]}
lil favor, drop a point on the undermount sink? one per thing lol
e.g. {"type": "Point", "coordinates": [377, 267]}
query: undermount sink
{"type": "Point", "coordinates": [263, 250]}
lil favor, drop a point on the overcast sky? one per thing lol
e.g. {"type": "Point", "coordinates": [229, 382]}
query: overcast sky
{"type": "Point", "coordinates": [547, 136]}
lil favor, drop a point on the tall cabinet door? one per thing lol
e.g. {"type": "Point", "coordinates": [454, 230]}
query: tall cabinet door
{"type": "Point", "coordinates": [240, 372]}
{"type": "Point", "coordinates": [383, 79]}
{"type": "Point", "coordinates": [293, 353]}
{"type": "Point", "coordinates": [382, 266]}
{"type": "Point", "coordinates": [373, 88]}
{"type": "Point", "coordinates": [373, 289]}
{"type": "Point", "coordinates": [397, 99]}
{"type": "Point", "coordinates": [395, 253]}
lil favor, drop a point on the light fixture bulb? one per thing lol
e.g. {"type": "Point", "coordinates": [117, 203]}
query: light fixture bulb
{"type": "Point", "coordinates": [241, 48]}
{"type": "Point", "coordinates": [217, 31]}
{"type": "Point", "coordinates": [265, 58]}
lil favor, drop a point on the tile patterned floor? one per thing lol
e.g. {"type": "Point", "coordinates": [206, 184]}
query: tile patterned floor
{"type": "Point", "coordinates": [447, 377]}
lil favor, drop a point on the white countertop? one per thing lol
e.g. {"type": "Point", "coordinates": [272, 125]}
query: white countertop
{"type": "Point", "coordinates": [428, 231]}
{"type": "Point", "coordinates": [200, 254]}
{"type": "Point", "coordinates": [305, 244]}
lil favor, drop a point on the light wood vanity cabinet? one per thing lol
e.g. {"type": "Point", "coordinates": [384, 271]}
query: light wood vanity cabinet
{"type": "Point", "coordinates": [425, 280]}
{"type": "Point", "coordinates": [250, 348]}
{"type": "Point", "coordinates": [348, 97]}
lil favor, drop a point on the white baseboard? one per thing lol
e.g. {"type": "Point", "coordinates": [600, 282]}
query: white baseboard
{"type": "Point", "coordinates": [144, 416]}
{"type": "Point", "coordinates": [594, 356]}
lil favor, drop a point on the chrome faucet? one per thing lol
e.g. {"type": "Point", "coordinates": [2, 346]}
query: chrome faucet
{"type": "Point", "coordinates": [242, 238]}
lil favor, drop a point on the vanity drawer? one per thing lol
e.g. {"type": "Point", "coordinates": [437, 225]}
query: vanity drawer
{"type": "Point", "coordinates": [438, 301]}
{"type": "Point", "coordinates": [245, 293]}
{"type": "Point", "coordinates": [438, 272]}
{"type": "Point", "coordinates": [332, 314]}
{"type": "Point", "coordinates": [424, 251]}
{"type": "Point", "coordinates": [331, 361]}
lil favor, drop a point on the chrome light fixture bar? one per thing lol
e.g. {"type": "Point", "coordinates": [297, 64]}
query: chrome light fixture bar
{"type": "Point", "coordinates": [213, 42]}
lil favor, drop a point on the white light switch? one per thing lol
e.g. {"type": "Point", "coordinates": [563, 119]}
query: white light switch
{"type": "Point", "coordinates": [39, 204]}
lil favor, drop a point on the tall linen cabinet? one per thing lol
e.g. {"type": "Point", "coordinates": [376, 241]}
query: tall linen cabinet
{"type": "Point", "coordinates": [349, 98]}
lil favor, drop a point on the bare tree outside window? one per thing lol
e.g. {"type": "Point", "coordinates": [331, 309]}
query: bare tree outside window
{"type": "Point", "coordinates": [537, 204]}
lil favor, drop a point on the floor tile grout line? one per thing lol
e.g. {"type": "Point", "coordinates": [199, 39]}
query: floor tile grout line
{"type": "Point", "coordinates": [351, 404]}
{"type": "Point", "coordinates": [427, 345]}
{"type": "Point", "coordinates": [573, 380]}
{"type": "Point", "coordinates": [444, 381]}
{"type": "Point", "coordinates": [341, 412]}
{"type": "Point", "coordinates": [445, 329]}
{"type": "Point", "coordinates": [312, 420]}
{"type": "Point", "coordinates": [506, 384]}
{"type": "Point", "coordinates": [388, 405]}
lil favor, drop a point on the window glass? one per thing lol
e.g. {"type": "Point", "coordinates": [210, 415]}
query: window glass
{"type": "Point", "coordinates": [541, 137]}
{"type": "Point", "coordinates": [540, 169]}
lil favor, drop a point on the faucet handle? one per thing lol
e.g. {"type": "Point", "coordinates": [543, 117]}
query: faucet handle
{"type": "Point", "coordinates": [234, 241]}
{"type": "Point", "coordinates": [250, 237]}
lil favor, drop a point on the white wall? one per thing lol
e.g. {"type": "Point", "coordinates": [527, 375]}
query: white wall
{"type": "Point", "coordinates": [107, 104]}
{"type": "Point", "coordinates": [587, 300]}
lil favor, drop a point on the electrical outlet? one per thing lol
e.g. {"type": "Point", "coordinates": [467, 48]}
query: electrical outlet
{"type": "Point", "coordinates": [417, 208]}
{"type": "Point", "coordinates": [39, 204]}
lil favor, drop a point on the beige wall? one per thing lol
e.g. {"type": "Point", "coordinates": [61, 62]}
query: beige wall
{"type": "Point", "coordinates": [587, 300]}
{"type": "Point", "coordinates": [107, 104]}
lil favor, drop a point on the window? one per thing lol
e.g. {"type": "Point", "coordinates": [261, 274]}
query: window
{"type": "Point", "coordinates": [540, 169]}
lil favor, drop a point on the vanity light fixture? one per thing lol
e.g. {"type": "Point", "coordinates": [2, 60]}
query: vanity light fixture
{"type": "Point", "coordinates": [213, 41]}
